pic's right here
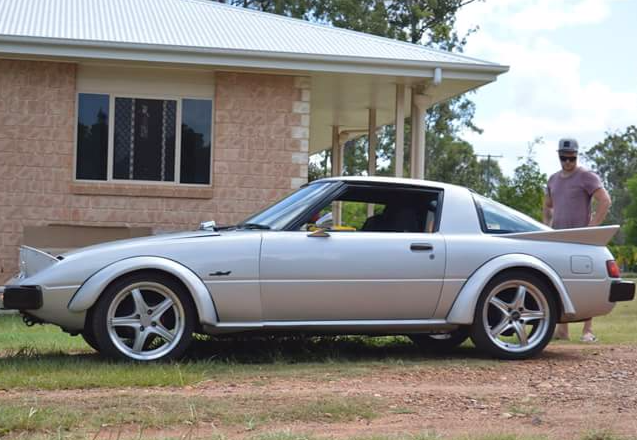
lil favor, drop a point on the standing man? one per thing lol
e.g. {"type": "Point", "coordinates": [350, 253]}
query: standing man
{"type": "Point", "coordinates": [568, 203]}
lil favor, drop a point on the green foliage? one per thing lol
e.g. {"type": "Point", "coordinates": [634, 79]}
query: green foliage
{"type": "Point", "coordinates": [490, 177]}
{"type": "Point", "coordinates": [369, 16]}
{"type": "Point", "coordinates": [525, 190]}
{"type": "Point", "coordinates": [453, 160]}
{"type": "Point", "coordinates": [630, 212]}
{"type": "Point", "coordinates": [319, 166]}
{"type": "Point", "coordinates": [615, 160]}
{"type": "Point", "coordinates": [626, 256]}
{"type": "Point", "coordinates": [291, 8]}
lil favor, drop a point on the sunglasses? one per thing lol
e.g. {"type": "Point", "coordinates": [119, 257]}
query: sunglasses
{"type": "Point", "coordinates": [568, 158]}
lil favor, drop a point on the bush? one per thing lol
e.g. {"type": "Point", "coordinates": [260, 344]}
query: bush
{"type": "Point", "coordinates": [626, 257]}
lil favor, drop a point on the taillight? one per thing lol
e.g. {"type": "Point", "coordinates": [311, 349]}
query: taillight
{"type": "Point", "coordinates": [613, 269]}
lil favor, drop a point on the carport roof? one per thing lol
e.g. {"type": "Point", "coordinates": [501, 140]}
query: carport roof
{"type": "Point", "coordinates": [209, 33]}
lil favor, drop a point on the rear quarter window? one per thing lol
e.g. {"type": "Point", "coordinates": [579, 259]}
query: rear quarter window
{"type": "Point", "coordinates": [496, 218]}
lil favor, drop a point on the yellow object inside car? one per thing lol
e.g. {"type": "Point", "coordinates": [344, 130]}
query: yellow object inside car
{"type": "Point", "coordinates": [313, 227]}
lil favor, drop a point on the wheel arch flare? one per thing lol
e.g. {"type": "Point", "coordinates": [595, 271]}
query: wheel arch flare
{"type": "Point", "coordinates": [463, 310]}
{"type": "Point", "coordinates": [90, 291]}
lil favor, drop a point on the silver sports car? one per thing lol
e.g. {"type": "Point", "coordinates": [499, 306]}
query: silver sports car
{"type": "Point", "coordinates": [436, 262]}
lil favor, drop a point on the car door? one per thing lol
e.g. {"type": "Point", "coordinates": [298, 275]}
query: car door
{"type": "Point", "coordinates": [343, 275]}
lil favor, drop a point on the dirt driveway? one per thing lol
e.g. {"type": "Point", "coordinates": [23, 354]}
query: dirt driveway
{"type": "Point", "coordinates": [569, 392]}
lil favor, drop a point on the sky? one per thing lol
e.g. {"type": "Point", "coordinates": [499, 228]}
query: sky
{"type": "Point", "coordinates": [573, 73]}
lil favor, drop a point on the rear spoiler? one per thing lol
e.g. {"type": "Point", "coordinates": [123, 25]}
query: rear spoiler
{"type": "Point", "coordinates": [597, 236]}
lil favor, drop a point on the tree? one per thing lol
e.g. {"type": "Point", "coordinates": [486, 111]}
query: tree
{"type": "Point", "coordinates": [455, 161]}
{"type": "Point", "coordinates": [368, 16]}
{"type": "Point", "coordinates": [525, 190]}
{"type": "Point", "coordinates": [630, 212]}
{"type": "Point", "coordinates": [490, 177]}
{"type": "Point", "coordinates": [615, 160]}
{"type": "Point", "coordinates": [291, 8]}
{"type": "Point", "coordinates": [318, 166]}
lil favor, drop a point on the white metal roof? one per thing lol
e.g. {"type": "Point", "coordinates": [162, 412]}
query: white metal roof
{"type": "Point", "coordinates": [202, 26]}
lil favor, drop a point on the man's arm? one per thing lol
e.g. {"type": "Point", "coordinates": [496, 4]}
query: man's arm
{"type": "Point", "coordinates": [602, 203]}
{"type": "Point", "coordinates": [547, 210]}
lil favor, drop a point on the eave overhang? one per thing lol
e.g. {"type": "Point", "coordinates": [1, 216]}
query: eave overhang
{"type": "Point", "coordinates": [184, 55]}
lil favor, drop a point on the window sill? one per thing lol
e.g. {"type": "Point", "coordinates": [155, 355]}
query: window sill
{"type": "Point", "coordinates": [141, 190]}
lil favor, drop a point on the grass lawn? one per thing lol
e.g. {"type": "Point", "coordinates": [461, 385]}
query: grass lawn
{"type": "Point", "coordinates": [44, 357]}
{"type": "Point", "coordinates": [618, 327]}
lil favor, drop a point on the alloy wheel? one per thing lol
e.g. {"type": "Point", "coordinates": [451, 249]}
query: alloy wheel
{"type": "Point", "coordinates": [516, 316]}
{"type": "Point", "coordinates": [145, 320]}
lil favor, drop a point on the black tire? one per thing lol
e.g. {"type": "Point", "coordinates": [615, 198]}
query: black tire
{"type": "Point", "coordinates": [499, 315]}
{"type": "Point", "coordinates": [89, 338]}
{"type": "Point", "coordinates": [120, 300]}
{"type": "Point", "coordinates": [441, 342]}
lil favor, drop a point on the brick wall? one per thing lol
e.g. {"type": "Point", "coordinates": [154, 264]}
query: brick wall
{"type": "Point", "coordinates": [260, 153]}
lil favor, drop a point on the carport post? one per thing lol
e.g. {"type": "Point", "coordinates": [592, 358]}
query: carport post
{"type": "Point", "coordinates": [418, 108]}
{"type": "Point", "coordinates": [400, 130]}
{"type": "Point", "coordinates": [337, 165]}
{"type": "Point", "coordinates": [373, 141]}
{"type": "Point", "coordinates": [337, 170]}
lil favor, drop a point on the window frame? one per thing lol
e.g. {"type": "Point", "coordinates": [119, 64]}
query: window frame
{"type": "Point", "coordinates": [343, 186]}
{"type": "Point", "coordinates": [483, 224]}
{"type": "Point", "coordinates": [112, 94]}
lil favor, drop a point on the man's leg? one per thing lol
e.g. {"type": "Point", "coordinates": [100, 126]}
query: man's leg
{"type": "Point", "coordinates": [561, 332]}
{"type": "Point", "coordinates": [587, 331]}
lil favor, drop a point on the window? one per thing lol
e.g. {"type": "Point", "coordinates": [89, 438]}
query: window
{"type": "Point", "coordinates": [92, 137]}
{"type": "Point", "coordinates": [282, 213]}
{"type": "Point", "coordinates": [378, 209]}
{"type": "Point", "coordinates": [146, 141]}
{"type": "Point", "coordinates": [499, 219]}
{"type": "Point", "coordinates": [196, 129]}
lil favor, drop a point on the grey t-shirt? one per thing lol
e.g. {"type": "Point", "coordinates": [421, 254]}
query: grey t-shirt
{"type": "Point", "coordinates": [572, 197]}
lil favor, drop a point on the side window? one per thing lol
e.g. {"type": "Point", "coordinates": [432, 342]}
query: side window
{"type": "Point", "coordinates": [378, 209]}
{"type": "Point", "coordinates": [499, 219]}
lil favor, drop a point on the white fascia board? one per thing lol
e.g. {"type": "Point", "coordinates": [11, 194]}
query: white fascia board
{"type": "Point", "coordinates": [76, 49]}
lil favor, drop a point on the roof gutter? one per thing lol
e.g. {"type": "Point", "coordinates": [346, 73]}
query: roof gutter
{"type": "Point", "coordinates": [106, 50]}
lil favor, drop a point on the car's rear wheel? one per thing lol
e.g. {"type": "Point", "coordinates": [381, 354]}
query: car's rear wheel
{"type": "Point", "coordinates": [441, 341]}
{"type": "Point", "coordinates": [144, 316]}
{"type": "Point", "coordinates": [515, 316]}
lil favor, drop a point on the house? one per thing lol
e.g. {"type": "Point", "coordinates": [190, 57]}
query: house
{"type": "Point", "coordinates": [121, 118]}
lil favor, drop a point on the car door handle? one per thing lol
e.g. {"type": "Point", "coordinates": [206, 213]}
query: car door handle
{"type": "Point", "coordinates": [421, 247]}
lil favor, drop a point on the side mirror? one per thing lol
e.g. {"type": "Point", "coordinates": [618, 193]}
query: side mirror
{"type": "Point", "coordinates": [320, 233]}
{"type": "Point", "coordinates": [209, 225]}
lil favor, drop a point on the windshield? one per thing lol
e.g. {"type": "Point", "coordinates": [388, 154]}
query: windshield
{"type": "Point", "coordinates": [283, 212]}
{"type": "Point", "coordinates": [500, 219]}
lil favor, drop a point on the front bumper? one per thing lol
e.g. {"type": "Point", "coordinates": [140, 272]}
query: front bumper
{"type": "Point", "coordinates": [20, 297]}
{"type": "Point", "coordinates": [622, 291]}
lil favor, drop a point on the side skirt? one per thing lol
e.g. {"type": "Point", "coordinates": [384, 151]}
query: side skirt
{"type": "Point", "coordinates": [386, 327]}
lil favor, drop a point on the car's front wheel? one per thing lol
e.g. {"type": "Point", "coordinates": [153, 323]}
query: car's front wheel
{"type": "Point", "coordinates": [515, 316]}
{"type": "Point", "coordinates": [144, 316]}
{"type": "Point", "coordinates": [89, 338]}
